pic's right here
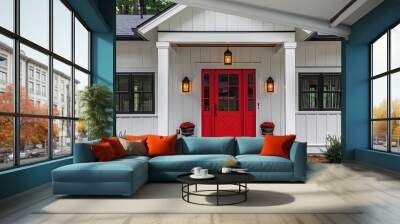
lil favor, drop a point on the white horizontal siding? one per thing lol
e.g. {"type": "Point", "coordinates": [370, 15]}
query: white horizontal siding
{"type": "Point", "coordinates": [195, 19]}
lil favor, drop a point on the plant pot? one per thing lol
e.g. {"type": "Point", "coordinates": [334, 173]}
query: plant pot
{"type": "Point", "coordinates": [267, 131]}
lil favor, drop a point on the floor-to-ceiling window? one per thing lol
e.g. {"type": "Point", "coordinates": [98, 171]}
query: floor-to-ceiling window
{"type": "Point", "coordinates": [44, 64]}
{"type": "Point", "coordinates": [385, 91]}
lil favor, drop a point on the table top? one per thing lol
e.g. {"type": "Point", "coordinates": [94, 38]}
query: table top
{"type": "Point", "coordinates": [220, 178]}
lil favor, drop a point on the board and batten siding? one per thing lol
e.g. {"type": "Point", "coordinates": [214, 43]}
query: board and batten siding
{"type": "Point", "coordinates": [196, 19]}
{"type": "Point", "coordinates": [317, 57]}
{"type": "Point", "coordinates": [136, 56]}
{"type": "Point", "coordinates": [189, 61]}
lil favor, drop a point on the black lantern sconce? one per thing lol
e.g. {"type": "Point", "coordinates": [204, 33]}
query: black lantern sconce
{"type": "Point", "coordinates": [269, 85]}
{"type": "Point", "coordinates": [186, 85]}
{"type": "Point", "coordinates": [227, 57]}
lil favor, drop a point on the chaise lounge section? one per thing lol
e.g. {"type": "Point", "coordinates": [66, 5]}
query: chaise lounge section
{"type": "Point", "coordinates": [125, 176]}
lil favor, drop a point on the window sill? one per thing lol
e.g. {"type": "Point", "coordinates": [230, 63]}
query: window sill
{"type": "Point", "coordinates": [318, 112]}
{"type": "Point", "coordinates": [26, 167]}
{"type": "Point", "coordinates": [136, 115]}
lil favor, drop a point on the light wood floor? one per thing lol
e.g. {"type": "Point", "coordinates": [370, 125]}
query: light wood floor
{"type": "Point", "coordinates": [377, 188]}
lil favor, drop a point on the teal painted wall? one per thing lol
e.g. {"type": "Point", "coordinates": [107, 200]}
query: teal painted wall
{"type": "Point", "coordinates": [355, 58]}
{"type": "Point", "coordinates": [99, 15]}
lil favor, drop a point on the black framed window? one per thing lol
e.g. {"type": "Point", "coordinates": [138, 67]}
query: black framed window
{"type": "Point", "coordinates": [385, 92]}
{"type": "Point", "coordinates": [319, 92]}
{"type": "Point", "coordinates": [40, 80]}
{"type": "Point", "coordinates": [134, 93]}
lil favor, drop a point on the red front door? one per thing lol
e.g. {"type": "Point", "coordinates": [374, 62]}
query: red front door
{"type": "Point", "coordinates": [228, 102]}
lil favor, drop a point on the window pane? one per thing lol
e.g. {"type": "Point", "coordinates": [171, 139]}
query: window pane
{"type": "Point", "coordinates": [7, 14]}
{"type": "Point", "coordinates": [62, 29]}
{"type": "Point", "coordinates": [142, 83]}
{"type": "Point", "coordinates": [142, 102]}
{"type": "Point", "coordinates": [123, 83]}
{"type": "Point", "coordinates": [223, 104]}
{"type": "Point", "coordinates": [122, 102]}
{"type": "Point", "coordinates": [62, 89]}
{"type": "Point", "coordinates": [331, 101]}
{"type": "Point", "coordinates": [6, 74]}
{"type": "Point", "coordinates": [379, 56]}
{"type": "Point", "coordinates": [395, 47]}
{"type": "Point", "coordinates": [36, 64]}
{"type": "Point", "coordinates": [35, 21]}
{"type": "Point", "coordinates": [309, 101]}
{"type": "Point", "coordinates": [309, 83]}
{"type": "Point", "coordinates": [81, 131]}
{"type": "Point", "coordinates": [379, 135]}
{"type": "Point", "coordinates": [233, 105]}
{"type": "Point", "coordinates": [81, 82]}
{"type": "Point", "coordinates": [379, 98]}
{"type": "Point", "coordinates": [395, 136]}
{"type": "Point", "coordinates": [33, 139]}
{"type": "Point", "coordinates": [331, 83]}
{"type": "Point", "coordinates": [81, 45]}
{"type": "Point", "coordinates": [6, 142]}
{"type": "Point", "coordinates": [62, 138]}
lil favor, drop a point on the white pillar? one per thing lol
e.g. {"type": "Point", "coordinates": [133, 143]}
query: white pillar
{"type": "Point", "coordinates": [162, 87]}
{"type": "Point", "coordinates": [289, 53]}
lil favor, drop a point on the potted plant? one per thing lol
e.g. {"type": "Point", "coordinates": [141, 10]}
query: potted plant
{"type": "Point", "coordinates": [333, 153]}
{"type": "Point", "coordinates": [96, 104]}
{"type": "Point", "coordinates": [267, 128]}
{"type": "Point", "coordinates": [187, 128]}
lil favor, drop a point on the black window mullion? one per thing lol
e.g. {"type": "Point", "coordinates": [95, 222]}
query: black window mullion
{"type": "Point", "coordinates": [389, 99]}
{"type": "Point", "coordinates": [16, 84]}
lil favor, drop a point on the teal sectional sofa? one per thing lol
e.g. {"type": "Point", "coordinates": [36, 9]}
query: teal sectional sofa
{"type": "Point", "coordinates": [125, 176]}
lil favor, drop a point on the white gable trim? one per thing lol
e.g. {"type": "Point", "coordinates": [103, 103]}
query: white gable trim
{"type": "Point", "coordinates": [348, 12]}
{"type": "Point", "coordinates": [153, 23]}
{"type": "Point", "coordinates": [227, 37]}
{"type": "Point", "coordinates": [270, 15]}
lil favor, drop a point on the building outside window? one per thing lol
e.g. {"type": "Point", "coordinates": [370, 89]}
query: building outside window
{"type": "Point", "coordinates": [319, 92]}
{"type": "Point", "coordinates": [385, 92]}
{"type": "Point", "coordinates": [135, 93]}
{"type": "Point", "coordinates": [56, 128]}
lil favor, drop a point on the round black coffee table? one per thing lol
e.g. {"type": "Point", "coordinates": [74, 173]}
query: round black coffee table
{"type": "Point", "coordinates": [238, 179]}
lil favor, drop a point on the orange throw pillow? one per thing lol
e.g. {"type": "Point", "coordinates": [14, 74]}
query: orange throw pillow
{"type": "Point", "coordinates": [116, 145]}
{"type": "Point", "coordinates": [103, 152]}
{"type": "Point", "coordinates": [161, 145]}
{"type": "Point", "coordinates": [277, 145]}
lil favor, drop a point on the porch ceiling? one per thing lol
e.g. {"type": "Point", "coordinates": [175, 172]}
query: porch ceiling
{"type": "Point", "coordinates": [325, 16]}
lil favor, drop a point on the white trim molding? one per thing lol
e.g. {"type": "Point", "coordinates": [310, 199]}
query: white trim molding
{"type": "Point", "coordinates": [227, 37]}
{"type": "Point", "coordinates": [161, 18]}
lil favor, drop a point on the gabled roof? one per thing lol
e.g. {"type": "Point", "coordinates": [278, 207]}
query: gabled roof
{"type": "Point", "coordinates": [127, 25]}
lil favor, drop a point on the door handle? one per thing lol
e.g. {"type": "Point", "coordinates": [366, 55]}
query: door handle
{"type": "Point", "coordinates": [215, 109]}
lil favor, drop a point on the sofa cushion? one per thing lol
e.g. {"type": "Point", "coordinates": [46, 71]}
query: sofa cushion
{"type": "Point", "coordinates": [116, 145]}
{"type": "Point", "coordinates": [257, 163]}
{"type": "Point", "coordinates": [278, 145]}
{"type": "Point", "coordinates": [112, 171]}
{"type": "Point", "coordinates": [208, 145]}
{"type": "Point", "coordinates": [185, 163]}
{"type": "Point", "coordinates": [249, 145]}
{"type": "Point", "coordinates": [83, 152]}
{"type": "Point", "coordinates": [103, 152]}
{"type": "Point", "coordinates": [161, 145]}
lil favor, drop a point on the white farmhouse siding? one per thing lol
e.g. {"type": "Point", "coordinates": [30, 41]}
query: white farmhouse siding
{"type": "Point", "coordinates": [188, 61]}
{"type": "Point", "coordinates": [322, 57]}
{"type": "Point", "coordinates": [189, 33]}
{"type": "Point", "coordinates": [136, 56]}
{"type": "Point", "coordinates": [195, 19]}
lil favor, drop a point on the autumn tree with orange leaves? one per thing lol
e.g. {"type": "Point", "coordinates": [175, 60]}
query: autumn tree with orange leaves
{"type": "Point", "coordinates": [33, 131]}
